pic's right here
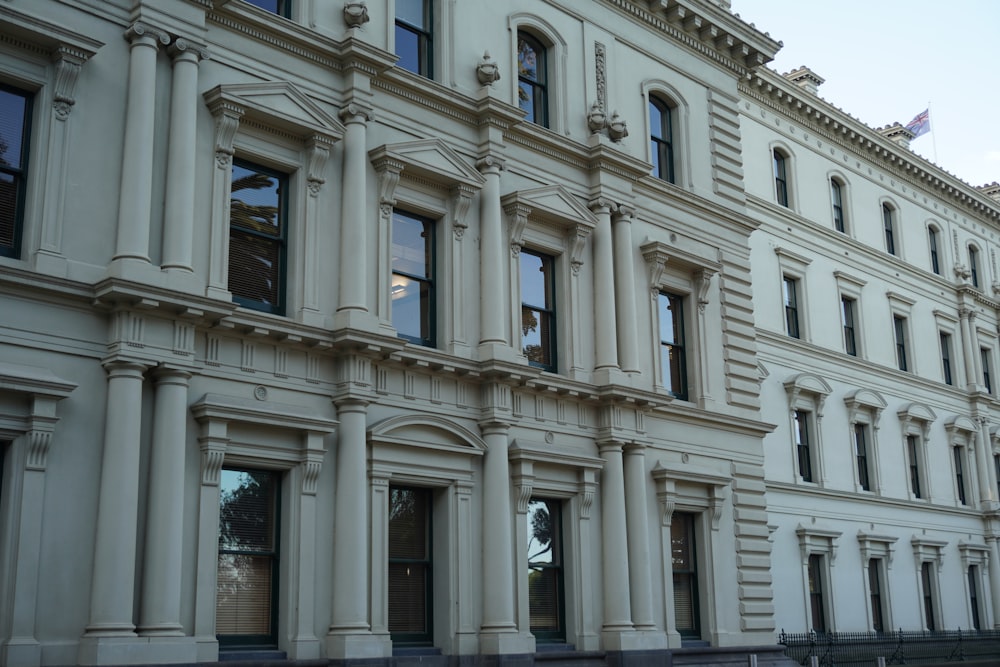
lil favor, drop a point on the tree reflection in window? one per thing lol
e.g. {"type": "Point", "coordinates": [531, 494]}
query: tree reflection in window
{"type": "Point", "coordinates": [532, 86]}
{"type": "Point", "coordinates": [257, 230]}
{"type": "Point", "coordinates": [538, 315]}
{"type": "Point", "coordinates": [545, 578]}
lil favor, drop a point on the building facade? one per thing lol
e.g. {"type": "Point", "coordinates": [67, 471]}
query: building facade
{"type": "Point", "coordinates": [346, 331]}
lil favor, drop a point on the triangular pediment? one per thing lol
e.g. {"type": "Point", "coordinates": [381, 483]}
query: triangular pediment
{"type": "Point", "coordinates": [280, 105]}
{"type": "Point", "coordinates": [553, 203]}
{"type": "Point", "coordinates": [430, 159]}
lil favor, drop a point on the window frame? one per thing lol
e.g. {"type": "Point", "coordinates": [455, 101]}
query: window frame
{"type": "Point", "coordinates": [864, 410]}
{"type": "Point", "coordinates": [662, 144]}
{"type": "Point", "coordinates": [801, 420]}
{"type": "Point", "coordinates": [929, 604]}
{"type": "Point", "coordinates": [425, 638]}
{"type": "Point", "coordinates": [19, 175]}
{"type": "Point", "coordinates": [934, 248]}
{"type": "Point", "coordinates": [975, 563]}
{"type": "Point", "coordinates": [807, 394]}
{"type": "Point", "coordinates": [549, 342]}
{"type": "Point", "coordinates": [424, 36]}
{"type": "Point", "coordinates": [429, 281]}
{"type": "Point", "coordinates": [790, 297]}
{"type": "Point", "coordinates": [877, 551]}
{"type": "Point", "coordinates": [682, 389]}
{"type": "Point", "coordinates": [780, 163]}
{"type": "Point", "coordinates": [945, 339]}
{"type": "Point", "coordinates": [900, 329]}
{"type": "Point", "coordinates": [558, 635]}
{"type": "Point", "coordinates": [820, 543]}
{"type": "Point", "coordinates": [962, 433]}
{"type": "Point", "coordinates": [539, 84]}
{"type": "Point", "coordinates": [975, 268]}
{"type": "Point", "coordinates": [838, 205]}
{"type": "Point", "coordinates": [282, 8]}
{"type": "Point", "coordinates": [692, 574]}
{"type": "Point", "coordinates": [890, 228]}
{"type": "Point", "coordinates": [848, 315]}
{"type": "Point", "coordinates": [986, 361]}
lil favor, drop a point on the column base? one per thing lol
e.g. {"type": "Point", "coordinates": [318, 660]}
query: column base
{"type": "Point", "coordinates": [306, 648]}
{"type": "Point", "coordinates": [466, 643]}
{"type": "Point", "coordinates": [136, 650]}
{"type": "Point", "coordinates": [623, 640]}
{"type": "Point", "coordinates": [182, 280]}
{"type": "Point", "coordinates": [51, 263]}
{"type": "Point", "coordinates": [496, 352]}
{"type": "Point", "coordinates": [502, 643]}
{"type": "Point", "coordinates": [311, 317]}
{"type": "Point", "coordinates": [355, 318]}
{"type": "Point", "coordinates": [135, 269]}
{"type": "Point", "coordinates": [609, 376]}
{"type": "Point", "coordinates": [21, 652]}
{"type": "Point", "coordinates": [354, 644]}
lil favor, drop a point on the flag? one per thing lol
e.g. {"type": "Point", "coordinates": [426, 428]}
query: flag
{"type": "Point", "coordinates": [921, 123]}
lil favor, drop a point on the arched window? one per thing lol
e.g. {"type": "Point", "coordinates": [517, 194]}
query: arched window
{"type": "Point", "coordinates": [889, 226]}
{"type": "Point", "coordinates": [661, 138]}
{"type": "Point", "coordinates": [532, 78]}
{"type": "Point", "coordinates": [780, 176]}
{"type": "Point", "coordinates": [837, 201]}
{"type": "Point", "coordinates": [933, 237]}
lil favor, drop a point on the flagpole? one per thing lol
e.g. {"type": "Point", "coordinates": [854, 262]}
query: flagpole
{"type": "Point", "coordinates": [931, 126]}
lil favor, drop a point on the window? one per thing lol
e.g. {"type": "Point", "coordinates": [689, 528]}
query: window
{"type": "Point", "coordinates": [861, 454]}
{"type": "Point", "coordinates": [791, 293]}
{"type": "Point", "coordinates": [958, 454]}
{"type": "Point", "coordinates": [837, 200]}
{"type": "Point", "coordinates": [977, 623]}
{"type": "Point", "coordinates": [974, 266]}
{"type": "Point", "coordinates": [848, 310]}
{"type": "Point", "coordinates": [927, 593]}
{"type": "Point", "coordinates": [932, 240]}
{"type": "Point", "coordinates": [875, 594]}
{"type": "Point", "coordinates": [414, 39]}
{"type": "Point", "coordinates": [661, 140]}
{"type": "Point", "coordinates": [15, 133]}
{"type": "Point", "coordinates": [279, 7]}
{"type": "Point", "coordinates": [817, 610]}
{"type": "Point", "coordinates": [672, 353]}
{"type": "Point", "coordinates": [945, 339]}
{"type": "Point", "coordinates": [538, 314]}
{"type": "Point", "coordinates": [546, 601]}
{"type": "Point", "coordinates": [684, 563]}
{"type": "Point", "coordinates": [247, 587]}
{"type": "Point", "coordinates": [889, 226]}
{"type": "Point", "coordinates": [410, 566]}
{"type": "Point", "coordinates": [985, 355]}
{"type": "Point", "coordinates": [996, 471]}
{"type": "Point", "coordinates": [899, 332]}
{"type": "Point", "coordinates": [802, 445]}
{"type": "Point", "coordinates": [258, 211]}
{"type": "Point", "coordinates": [780, 177]}
{"type": "Point", "coordinates": [532, 84]}
{"type": "Point", "coordinates": [913, 459]}
{"type": "Point", "coordinates": [413, 295]}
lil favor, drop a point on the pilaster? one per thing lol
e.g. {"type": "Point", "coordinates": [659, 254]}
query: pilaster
{"type": "Point", "coordinates": [625, 289]}
{"type": "Point", "coordinates": [605, 321]}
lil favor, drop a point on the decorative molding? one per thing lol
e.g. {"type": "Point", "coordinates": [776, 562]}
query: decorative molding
{"type": "Point", "coordinates": [487, 70]}
{"type": "Point", "coordinates": [356, 13]}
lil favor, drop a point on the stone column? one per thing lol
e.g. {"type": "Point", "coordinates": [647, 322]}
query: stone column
{"type": "Point", "coordinates": [492, 254]}
{"type": "Point", "coordinates": [179, 207]}
{"type": "Point", "coordinates": [161, 572]}
{"type": "Point", "coordinates": [350, 633]}
{"type": "Point", "coordinates": [614, 548]}
{"type": "Point", "coordinates": [499, 631]}
{"type": "Point", "coordinates": [605, 320]}
{"type": "Point", "coordinates": [352, 311]}
{"type": "Point", "coordinates": [994, 565]}
{"type": "Point", "coordinates": [625, 290]}
{"type": "Point", "coordinates": [113, 581]}
{"type": "Point", "coordinates": [971, 353]}
{"type": "Point", "coordinates": [987, 489]}
{"type": "Point", "coordinates": [135, 199]}
{"type": "Point", "coordinates": [637, 525]}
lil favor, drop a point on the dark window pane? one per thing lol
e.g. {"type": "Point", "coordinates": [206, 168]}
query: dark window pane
{"type": "Point", "coordinates": [410, 565]}
{"type": "Point", "coordinates": [257, 213]}
{"type": "Point", "coordinates": [413, 12]}
{"type": "Point", "coordinates": [13, 117]}
{"type": "Point", "coordinates": [279, 7]}
{"type": "Point", "coordinates": [408, 49]}
{"type": "Point", "coordinates": [684, 563]}
{"type": "Point", "coordinates": [545, 574]}
{"type": "Point", "coordinates": [413, 277]}
{"type": "Point", "coordinates": [537, 309]}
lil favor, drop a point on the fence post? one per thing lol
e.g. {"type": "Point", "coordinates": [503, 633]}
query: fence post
{"type": "Point", "coordinates": [813, 661]}
{"type": "Point", "coordinates": [881, 661]}
{"type": "Point", "coordinates": [752, 660]}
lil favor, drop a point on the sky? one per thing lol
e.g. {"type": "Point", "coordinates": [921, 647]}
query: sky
{"type": "Point", "coordinates": [886, 60]}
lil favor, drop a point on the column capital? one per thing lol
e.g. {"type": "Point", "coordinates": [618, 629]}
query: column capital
{"type": "Point", "coordinates": [602, 206]}
{"type": "Point", "coordinates": [623, 213]}
{"type": "Point", "coordinates": [143, 34]}
{"type": "Point", "coordinates": [355, 113]}
{"type": "Point", "coordinates": [185, 50]}
{"type": "Point", "coordinates": [491, 164]}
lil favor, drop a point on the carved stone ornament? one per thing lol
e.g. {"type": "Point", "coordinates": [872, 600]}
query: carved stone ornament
{"type": "Point", "coordinates": [356, 13]}
{"type": "Point", "coordinates": [617, 128]}
{"type": "Point", "coordinates": [487, 70]}
{"type": "Point", "coordinates": [596, 118]}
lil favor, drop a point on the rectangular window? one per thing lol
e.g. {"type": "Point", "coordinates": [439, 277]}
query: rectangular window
{"type": "Point", "coordinates": [926, 579]}
{"type": "Point", "coordinates": [899, 331]}
{"type": "Point", "coordinates": [974, 266]}
{"type": "Point", "coordinates": [977, 623]}
{"type": "Point", "coordinates": [848, 308]}
{"type": "Point", "coordinates": [837, 198]}
{"type": "Point", "coordinates": [414, 37]}
{"type": "Point", "coordinates": [538, 313]}
{"type": "Point", "coordinates": [247, 584]}
{"type": "Point", "coordinates": [791, 294]}
{"type": "Point", "coordinates": [780, 178]}
{"type": "Point", "coordinates": [802, 445]}
{"type": "Point", "coordinates": [958, 455]}
{"type": "Point", "coordinates": [684, 562]}
{"type": "Point", "coordinates": [985, 356]}
{"type": "Point", "coordinates": [546, 600]}
{"type": "Point", "coordinates": [15, 134]}
{"type": "Point", "coordinates": [413, 295]}
{"type": "Point", "coordinates": [913, 453]}
{"type": "Point", "coordinates": [257, 237]}
{"type": "Point", "coordinates": [996, 471]}
{"type": "Point", "coordinates": [932, 239]}
{"type": "Point", "coordinates": [861, 453]}
{"type": "Point", "coordinates": [410, 589]}
{"type": "Point", "coordinates": [661, 141]}
{"type": "Point", "coordinates": [889, 225]}
{"type": "Point", "coordinates": [875, 593]}
{"type": "Point", "coordinates": [672, 353]}
{"type": "Point", "coordinates": [532, 79]}
{"type": "Point", "coordinates": [946, 357]}
{"type": "Point", "coordinates": [816, 603]}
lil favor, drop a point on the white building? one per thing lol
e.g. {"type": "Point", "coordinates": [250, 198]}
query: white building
{"type": "Point", "coordinates": [422, 329]}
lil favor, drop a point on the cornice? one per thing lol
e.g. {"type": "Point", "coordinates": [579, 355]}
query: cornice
{"type": "Point", "coordinates": [860, 501]}
{"type": "Point", "coordinates": [717, 35]}
{"type": "Point", "coordinates": [771, 90]}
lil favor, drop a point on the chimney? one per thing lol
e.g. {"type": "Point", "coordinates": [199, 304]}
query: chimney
{"type": "Point", "coordinates": [806, 79]}
{"type": "Point", "coordinates": [991, 190]}
{"type": "Point", "coordinates": [896, 133]}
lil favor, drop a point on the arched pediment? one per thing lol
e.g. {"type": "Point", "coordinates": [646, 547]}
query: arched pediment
{"type": "Point", "coordinates": [916, 412]}
{"type": "Point", "coordinates": [277, 104]}
{"type": "Point", "coordinates": [553, 204]}
{"type": "Point", "coordinates": [427, 431]}
{"type": "Point", "coordinates": [808, 383]}
{"type": "Point", "coordinates": [430, 159]}
{"type": "Point", "coordinates": [864, 401]}
{"type": "Point", "coordinates": [957, 424]}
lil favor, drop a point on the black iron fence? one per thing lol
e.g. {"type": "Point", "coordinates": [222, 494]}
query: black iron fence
{"type": "Point", "coordinates": [863, 649]}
